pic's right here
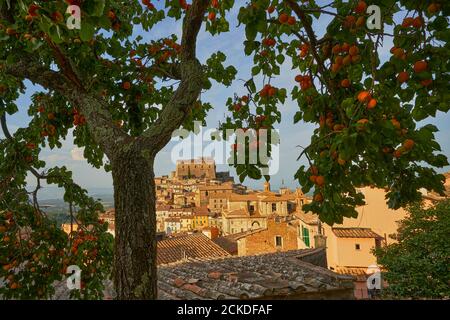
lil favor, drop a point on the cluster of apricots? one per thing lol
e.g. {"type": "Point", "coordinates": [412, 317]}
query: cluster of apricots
{"type": "Point", "coordinates": [48, 129]}
{"type": "Point", "coordinates": [78, 119]}
{"type": "Point", "coordinates": [344, 55]}
{"type": "Point", "coordinates": [32, 12]}
{"type": "Point", "coordinates": [305, 81]}
{"type": "Point", "coordinates": [304, 49]}
{"type": "Point", "coordinates": [242, 101]}
{"type": "Point", "coordinates": [268, 42]}
{"type": "Point", "coordinates": [29, 146]}
{"type": "Point", "coordinates": [115, 22]}
{"type": "Point", "coordinates": [406, 146]}
{"type": "Point", "coordinates": [284, 18]}
{"type": "Point", "coordinates": [318, 180]}
{"type": "Point", "coordinates": [409, 22]}
{"type": "Point", "coordinates": [212, 13]}
{"type": "Point", "coordinates": [366, 98]}
{"type": "Point", "coordinates": [164, 49]}
{"type": "Point", "coordinates": [327, 120]}
{"type": "Point", "coordinates": [268, 91]}
{"type": "Point", "coordinates": [354, 22]}
{"type": "Point", "coordinates": [418, 67]}
{"type": "Point", "coordinates": [399, 53]}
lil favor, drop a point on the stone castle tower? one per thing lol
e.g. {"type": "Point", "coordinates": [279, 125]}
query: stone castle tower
{"type": "Point", "coordinates": [203, 168]}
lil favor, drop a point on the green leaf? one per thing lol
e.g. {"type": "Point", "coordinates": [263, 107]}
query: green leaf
{"type": "Point", "coordinates": [87, 31]}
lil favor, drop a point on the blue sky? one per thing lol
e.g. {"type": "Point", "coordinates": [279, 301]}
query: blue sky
{"type": "Point", "coordinates": [231, 44]}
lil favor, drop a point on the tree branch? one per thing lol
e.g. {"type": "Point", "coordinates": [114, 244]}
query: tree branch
{"type": "Point", "coordinates": [95, 110]}
{"type": "Point", "coordinates": [189, 89]}
{"type": "Point", "coordinates": [191, 26]}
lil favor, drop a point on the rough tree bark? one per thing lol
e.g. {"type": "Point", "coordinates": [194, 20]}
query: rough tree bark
{"type": "Point", "coordinates": [135, 241]}
{"type": "Point", "coordinates": [131, 158]}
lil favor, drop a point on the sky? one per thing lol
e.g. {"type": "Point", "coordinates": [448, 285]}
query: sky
{"type": "Point", "coordinates": [230, 43]}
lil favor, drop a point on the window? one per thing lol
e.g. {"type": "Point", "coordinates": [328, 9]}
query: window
{"type": "Point", "coordinates": [278, 241]}
{"type": "Point", "coordinates": [305, 233]}
{"type": "Point", "coordinates": [377, 243]}
{"type": "Point", "coordinates": [357, 246]}
{"type": "Point", "coordinates": [252, 208]}
{"type": "Point", "coordinates": [274, 207]}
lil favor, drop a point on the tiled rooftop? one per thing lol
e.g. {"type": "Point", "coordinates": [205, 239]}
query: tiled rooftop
{"type": "Point", "coordinates": [276, 275]}
{"type": "Point", "coordinates": [355, 233]}
{"type": "Point", "coordinates": [195, 245]}
{"type": "Point", "coordinates": [281, 275]}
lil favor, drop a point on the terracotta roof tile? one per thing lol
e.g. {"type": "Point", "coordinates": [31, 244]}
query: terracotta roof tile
{"type": "Point", "coordinates": [276, 275]}
{"type": "Point", "coordinates": [355, 233]}
{"type": "Point", "coordinates": [195, 245]}
{"type": "Point", "coordinates": [252, 277]}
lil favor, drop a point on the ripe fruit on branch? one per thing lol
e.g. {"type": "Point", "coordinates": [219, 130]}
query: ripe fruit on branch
{"type": "Point", "coordinates": [345, 83]}
{"type": "Point", "coordinates": [212, 16]}
{"type": "Point", "coordinates": [420, 66]}
{"type": "Point", "coordinates": [283, 18]}
{"type": "Point", "coordinates": [304, 48]}
{"type": "Point", "coordinates": [10, 31]}
{"type": "Point", "coordinates": [361, 7]}
{"type": "Point", "coordinates": [314, 170]}
{"type": "Point", "coordinates": [433, 8]}
{"type": "Point", "coordinates": [338, 60]}
{"type": "Point", "coordinates": [398, 153]}
{"type": "Point", "coordinates": [396, 123]}
{"type": "Point", "coordinates": [318, 197]}
{"type": "Point", "coordinates": [57, 17]}
{"type": "Point", "coordinates": [126, 85]}
{"type": "Point", "coordinates": [398, 52]}
{"type": "Point", "coordinates": [271, 9]}
{"type": "Point", "coordinates": [372, 104]}
{"type": "Point", "coordinates": [341, 161]}
{"type": "Point", "coordinates": [336, 49]}
{"type": "Point", "coordinates": [320, 181]}
{"type": "Point", "coordinates": [349, 21]}
{"type": "Point", "coordinates": [408, 144]}
{"type": "Point", "coordinates": [30, 146]}
{"type": "Point", "coordinates": [407, 22]}
{"type": "Point", "coordinates": [291, 21]}
{"type": "Point", "coordinates": [215, 3]}
{"type": "Point", "coordinates": [111, 15]}
{"type": "Point", "coordinates": [345, 47]}
{"type": "Point", "coordinates": [347, 60]}
{"type": "Point", "coordinates": [335, 67]}
{"type": "Point", "coordinates": [269, 42]}
{"type": "Point", "coordinates": [403, 77]}
{"type": "Point", "coordinates": [417, 23]}
{"type": "Point", "coordinates": [360, 22]}
{"type": "Point", "coordinates": [353, 51]}
{"type": "Point", "coordinates": [364, 96]}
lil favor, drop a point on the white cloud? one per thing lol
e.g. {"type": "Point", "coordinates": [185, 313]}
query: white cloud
{"type": "Point", "coordinates": [77, 154]}
{"type": "Point", "coordinates": [55, 157]}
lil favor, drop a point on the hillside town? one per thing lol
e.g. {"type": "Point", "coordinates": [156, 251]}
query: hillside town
{"type": "Point", "coordinates": [203, 215]}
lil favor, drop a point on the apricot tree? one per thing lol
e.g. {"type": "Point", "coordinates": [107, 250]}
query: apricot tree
{"type": "Point", "coordinates": [123, 97]}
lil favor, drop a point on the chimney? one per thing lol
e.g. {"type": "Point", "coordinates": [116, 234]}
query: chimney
{"type": "Point", "coordinates": [320, 241]}
{"type": "Point", "coordinates": [267, 186]}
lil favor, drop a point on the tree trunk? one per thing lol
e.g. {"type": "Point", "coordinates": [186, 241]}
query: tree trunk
{"type": "Point", "coordinates": [135, 229]}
